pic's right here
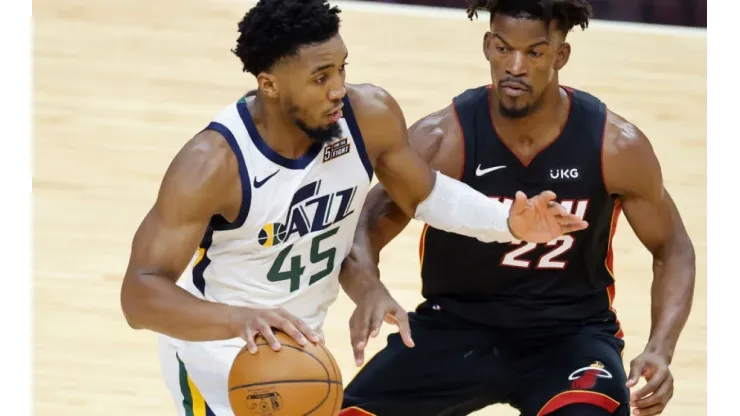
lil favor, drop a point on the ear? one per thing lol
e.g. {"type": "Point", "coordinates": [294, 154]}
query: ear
{"type": "Point", "coordinates": [487, 39]}
{"type": "Point", "coordinates": [268, 84]}
{"type": "Point", "coordinates": [563, 55]}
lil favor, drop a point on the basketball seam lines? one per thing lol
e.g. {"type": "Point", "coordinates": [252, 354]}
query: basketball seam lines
{"type": "Point", "coordinates": [328, 380]}
{"type": "Point", "coordinates": [307, 380]}
{"type": "Point", "coordinates": [337, 373]}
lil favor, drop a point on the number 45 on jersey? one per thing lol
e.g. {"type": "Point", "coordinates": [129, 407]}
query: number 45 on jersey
{"type": "Point", "coordinates": [318, 255]}
{"type": "Point", "coordinates": [561, 245]}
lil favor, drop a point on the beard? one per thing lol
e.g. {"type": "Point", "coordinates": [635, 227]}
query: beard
{"type": "Point", "coordinates": [321, 134]}
{"type": "Point", "coordinates": [514, 112]}
{"type": "Point", "coordinates": [317, 134]}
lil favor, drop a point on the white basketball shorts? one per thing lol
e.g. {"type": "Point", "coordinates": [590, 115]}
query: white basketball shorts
{"type": "Point", "coordinates": [196, 374]}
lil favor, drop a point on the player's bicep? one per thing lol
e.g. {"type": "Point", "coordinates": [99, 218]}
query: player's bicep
{"type": "Point", "coordinates": [163, 246]}
{"type": "Point", "coordinates": [191, 192]}
{"type": "Point", "coordinates": [633, 173]}
{"type": "Point", "coordinates": [435, 139]}
{"type": "Point", "coordinates": [406, 169]}
{"type": "Point", "coordinates": [405, 176]}
{"type": "Point", "coordinates": [651, 217]}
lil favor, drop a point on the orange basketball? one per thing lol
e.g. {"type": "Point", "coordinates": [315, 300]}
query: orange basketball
{"type": "Point", "coordinates": [296, 380]}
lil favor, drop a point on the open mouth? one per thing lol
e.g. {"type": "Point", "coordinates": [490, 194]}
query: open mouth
{"type": "Point", "coordinates": [336, 115]}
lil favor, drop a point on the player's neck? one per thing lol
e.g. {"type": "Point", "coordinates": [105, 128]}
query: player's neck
{"type": "Point", "coordinates": [278, 130]}
{"type": "Point", "coordinates": [539, 128]}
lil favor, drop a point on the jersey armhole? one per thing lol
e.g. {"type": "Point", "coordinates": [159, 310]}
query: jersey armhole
{"type": "Point", "coordinates": [218, 222]}
{"type": "Point", "coordinates": [461, 176]}
{"type": "Point", "coordinates": [467, 107]}
{"type": "Point", "coordinates": [603, 110]}
{"type": "Point", "coordinates": [354, 129]}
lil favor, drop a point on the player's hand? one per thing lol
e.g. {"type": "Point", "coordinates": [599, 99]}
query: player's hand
{"type": "Point", "coordinates": [540, 219]}
{"type": "Point", "coordinates": [376, 306]}
{"type": "Point", "coordinates": [653, 397]}
{"type": "Point", "coordinates": [252, 322]}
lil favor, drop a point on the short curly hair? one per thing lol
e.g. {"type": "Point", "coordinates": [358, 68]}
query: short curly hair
{"type": "Point", "coordinates": [276, 29]}
{"type": "Point", "coordinates": [566, 13]}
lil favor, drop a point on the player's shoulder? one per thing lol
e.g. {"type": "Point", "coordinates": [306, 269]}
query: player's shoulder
{"type": "Point", "coordinates": [630, 164]}
{"type": "Point", "coordinates": [204, 161]}
{"type": "Point", "coordinates": [378, 115]}
{"type": "Point", "coordinates": [440, 125]}
{"type": "Point", "coordinates": [623, 138]}
{"type": "Point", "coordinates": [370, 101]}
{"type": "Point", "coordinates": [619, 134]}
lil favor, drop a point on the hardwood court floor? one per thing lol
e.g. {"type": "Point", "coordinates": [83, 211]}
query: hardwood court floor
{"type": "Point", "coordinates": [120, 85]}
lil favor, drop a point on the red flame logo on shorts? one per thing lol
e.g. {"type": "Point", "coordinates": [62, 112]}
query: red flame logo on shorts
{"type": "Point", "coordinates": [585, 378]}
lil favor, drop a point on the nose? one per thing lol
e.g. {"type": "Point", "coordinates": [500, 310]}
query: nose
{"type": "Point", "coordinates": [337, 91]}
{"type": "Point", "coordinates": [516, 65]}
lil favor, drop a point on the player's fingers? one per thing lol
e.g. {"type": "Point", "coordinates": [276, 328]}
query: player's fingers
{"type": "Point", "coordinates": [359, 329]}
{"type": "Point", "coordinates": [402, 320]}
{"type": "Point", "coordinates": [301, 326]}
{"type": "Point", "coordinates": [249, 337]}
{"type": "Point", "coordinates": [520, 203]}
{"type": "Point", "coordinates": [660, 397]}
{"type": "Point", "coordinates": [376, 320]}
{"type": "Point", "coordinates": [636, 367]}
{"type": "Point", "coordinates": [652, 385]}
{"type": "Point", "coordinates": [553, 208]}
{"type": "Point", "coordinates": [359, 354]}
{"type": "Point", "coordinates": [266, 332]}
{"type": "Point", "coordinates": [547, 199]}
{"type": "Point", "coordinates": [548, 195]}
{"type": "Point", "coordinates": [573, 227]}
{"type": "Point", "coordinates": [287, 326]}
{"type": "Point", "coordinates": [652, 410]}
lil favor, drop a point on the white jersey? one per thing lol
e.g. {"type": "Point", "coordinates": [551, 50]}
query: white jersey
{"type": "Point", "coordinates": [295, 227]}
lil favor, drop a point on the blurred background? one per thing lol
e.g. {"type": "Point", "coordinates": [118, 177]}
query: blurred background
{"type": "Point", "coordinates": [666, 12]}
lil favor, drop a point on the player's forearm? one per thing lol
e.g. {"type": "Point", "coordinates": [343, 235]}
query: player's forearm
{"type": "Point", "coordinates": [672, 296]}
{"type": "Point", "coordinates": [455, 207]}
{"type": "Point", "coordinates": [157, 304]}
{"type": "Point", "coordinates": [380, 221]}
{"type": "Point", "coordinates": [358, 278]}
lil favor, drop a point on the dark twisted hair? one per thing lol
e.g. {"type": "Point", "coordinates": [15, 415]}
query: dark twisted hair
{"type": "Point", "coordinates": [275, 29]}
{"type": "Point", "coordinates": [566, 13]}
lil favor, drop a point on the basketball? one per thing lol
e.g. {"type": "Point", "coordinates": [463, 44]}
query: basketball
{"type": "Point", "coordinates": [296, 380]}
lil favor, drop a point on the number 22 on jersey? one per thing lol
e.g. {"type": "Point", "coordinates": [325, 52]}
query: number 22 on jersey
{"type": "Point", "coordinates": [561, 245]}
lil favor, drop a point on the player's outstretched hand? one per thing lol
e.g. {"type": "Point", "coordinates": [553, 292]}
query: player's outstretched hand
{"type": "Point", "coordinates": [376, 306]}
{"type": "Point", "coordinates": [653, 397]}
{"type": "Point", "coordinates": [253, 322]}
{"type": "Point", "coordinates": [540, 219]}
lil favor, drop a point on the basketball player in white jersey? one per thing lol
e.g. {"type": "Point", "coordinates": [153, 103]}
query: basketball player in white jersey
{"type": "Point", "coordinates": [266, 200]}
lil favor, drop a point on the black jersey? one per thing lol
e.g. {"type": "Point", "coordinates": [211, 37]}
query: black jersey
{"type": "Point", "coordinates": [519, 284]}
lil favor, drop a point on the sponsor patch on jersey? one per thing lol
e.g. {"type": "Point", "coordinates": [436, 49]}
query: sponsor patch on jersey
{"type": "Point", "coordinates": [335, 150]}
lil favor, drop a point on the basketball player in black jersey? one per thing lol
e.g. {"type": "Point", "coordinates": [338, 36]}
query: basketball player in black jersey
{"type": "Point", "coordinates": [530, 325]}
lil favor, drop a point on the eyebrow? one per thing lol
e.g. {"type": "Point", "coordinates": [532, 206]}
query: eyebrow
{"type": "Point", "coordinates": [327, 66]}
{"type": "Point", "coordinates": [534, 45]}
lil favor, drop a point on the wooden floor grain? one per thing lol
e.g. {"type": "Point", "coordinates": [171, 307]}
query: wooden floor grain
{"type": "Point", "coordinates": [119, 85]}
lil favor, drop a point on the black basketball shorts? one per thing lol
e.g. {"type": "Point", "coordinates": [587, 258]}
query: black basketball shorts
{"type": "Point", "coordinates": [457, 367]}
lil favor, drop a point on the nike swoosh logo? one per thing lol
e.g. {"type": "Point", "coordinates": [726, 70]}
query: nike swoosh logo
{"type": "Point", "coordinates": [258, 183]}
{"type": "Point", "coordinates": [481, 172]}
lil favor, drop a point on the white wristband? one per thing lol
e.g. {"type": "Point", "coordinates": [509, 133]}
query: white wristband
{"type": "Point", "coordinates": [455, 207]}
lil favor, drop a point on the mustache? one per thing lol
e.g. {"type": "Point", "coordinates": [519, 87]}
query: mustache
{"type": "Point", "coordinates": [514, 81]}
